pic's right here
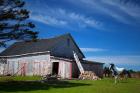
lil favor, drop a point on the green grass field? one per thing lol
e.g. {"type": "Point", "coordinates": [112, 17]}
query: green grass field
{"type": "Point", "coordinates": [25, 85]}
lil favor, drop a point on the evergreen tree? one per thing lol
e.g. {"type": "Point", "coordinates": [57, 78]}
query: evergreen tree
{"type": "Point", "coordinates": [13, 22]}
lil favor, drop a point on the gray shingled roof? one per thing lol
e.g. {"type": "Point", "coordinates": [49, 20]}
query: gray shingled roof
{"type": "Point", "coordinates": [41, 45]}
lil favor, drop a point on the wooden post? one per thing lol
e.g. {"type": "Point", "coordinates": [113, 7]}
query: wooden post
{"type": "Point", "coordinates": [70, 70]}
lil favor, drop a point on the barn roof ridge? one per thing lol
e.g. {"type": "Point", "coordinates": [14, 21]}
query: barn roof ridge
{"type": "Point", "coordinates": [50, 38]}
{"type": "Point", "coordinates": [41, 45]}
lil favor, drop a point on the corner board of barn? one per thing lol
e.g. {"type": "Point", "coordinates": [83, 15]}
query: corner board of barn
{"type": "Point", "coordinates": [46, 56]}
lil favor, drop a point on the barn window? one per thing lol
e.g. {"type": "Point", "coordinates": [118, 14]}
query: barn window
{"type": "Point", "coordinates": [68, 42]}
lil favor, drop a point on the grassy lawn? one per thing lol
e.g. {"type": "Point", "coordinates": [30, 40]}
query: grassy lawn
{"type": "Point", "coordinates": [25, 85]}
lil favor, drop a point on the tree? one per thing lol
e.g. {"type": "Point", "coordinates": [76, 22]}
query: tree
{"type": "Point", "coordinates": [13, 22]}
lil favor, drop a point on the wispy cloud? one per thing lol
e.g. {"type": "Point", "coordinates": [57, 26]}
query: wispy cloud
{"type": "Point", "coordinates": [121, 10]}
{"type": "Point", "coordinates": [48, 20]}
{"type": "Point", "coordinates": [86, 14]}
{"type": "Point", "coordinates": [93, 49]}
{"type": "Point", "coordinates": [130, 7]}
{"type": "Point", "coordinates": [62, 17]}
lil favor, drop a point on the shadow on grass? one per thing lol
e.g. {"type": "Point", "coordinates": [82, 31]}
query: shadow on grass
{"type": "Point", "coordinates": [15, 86]}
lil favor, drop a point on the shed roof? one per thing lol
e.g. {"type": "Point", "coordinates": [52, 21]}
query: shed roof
{"type": "Point", "coordinates": [91, 62]}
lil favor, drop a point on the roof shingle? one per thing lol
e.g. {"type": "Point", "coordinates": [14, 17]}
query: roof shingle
{"type": "Point", "coordinates": [40, 45]}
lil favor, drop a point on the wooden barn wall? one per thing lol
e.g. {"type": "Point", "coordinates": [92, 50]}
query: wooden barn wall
{"type": "Point", "coordinates": [2, 65]}
{"type": "Point", "coordinates": [1, 68]}
{"type": "Point", "coordinates": [96, 68]}
{"type": "Point", "coordinates": [29, 65]}
{"type": "Point", "coordinates": [75, 70]}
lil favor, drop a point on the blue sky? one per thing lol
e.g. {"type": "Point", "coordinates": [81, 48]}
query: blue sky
{"type": "Point", "coordinates": [106, 30]}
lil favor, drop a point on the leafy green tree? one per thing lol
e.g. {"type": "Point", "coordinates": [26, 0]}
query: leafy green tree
{"type": "Point", "coordinates": [13, 22]}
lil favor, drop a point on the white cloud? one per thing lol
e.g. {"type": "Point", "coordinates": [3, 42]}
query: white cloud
{"type": "Point", "coordinates": [104, 8]}
{"type": "Point", "coordinates": [62, 17]}
{"type": "Point", "coordinates": [87, 21]}
{"type": "Point", "coordinates": [127, 13]}
{"type": "Point", "coordinates": [129, 7]}
{"type": "Point", "coordinates": [48, 20]}
{"type": "Point", "coordinates": [123, 12]}
{"type": "Point", "coordinates": [92, 49]}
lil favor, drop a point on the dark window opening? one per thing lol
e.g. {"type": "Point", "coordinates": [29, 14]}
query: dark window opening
{"type": "Point", "coordinates": [55, 68]}
{"type": "Point", "coordinates": [68, 42]}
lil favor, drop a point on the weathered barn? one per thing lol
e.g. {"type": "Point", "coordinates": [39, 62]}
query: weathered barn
{"type": "Point", "coordinates": [46, 56]}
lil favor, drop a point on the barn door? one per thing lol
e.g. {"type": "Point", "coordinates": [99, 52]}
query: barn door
{"type": "Point", "coordinates": [23, 68]}
{"type": "Point", "coordinates": [68, 70]}
{"type": "Point", "coordinates": [37, 69]}
{"type": "Point", "coordinates": [65, 70]}
{"type": "Point", "coordinates": [1, 69]}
